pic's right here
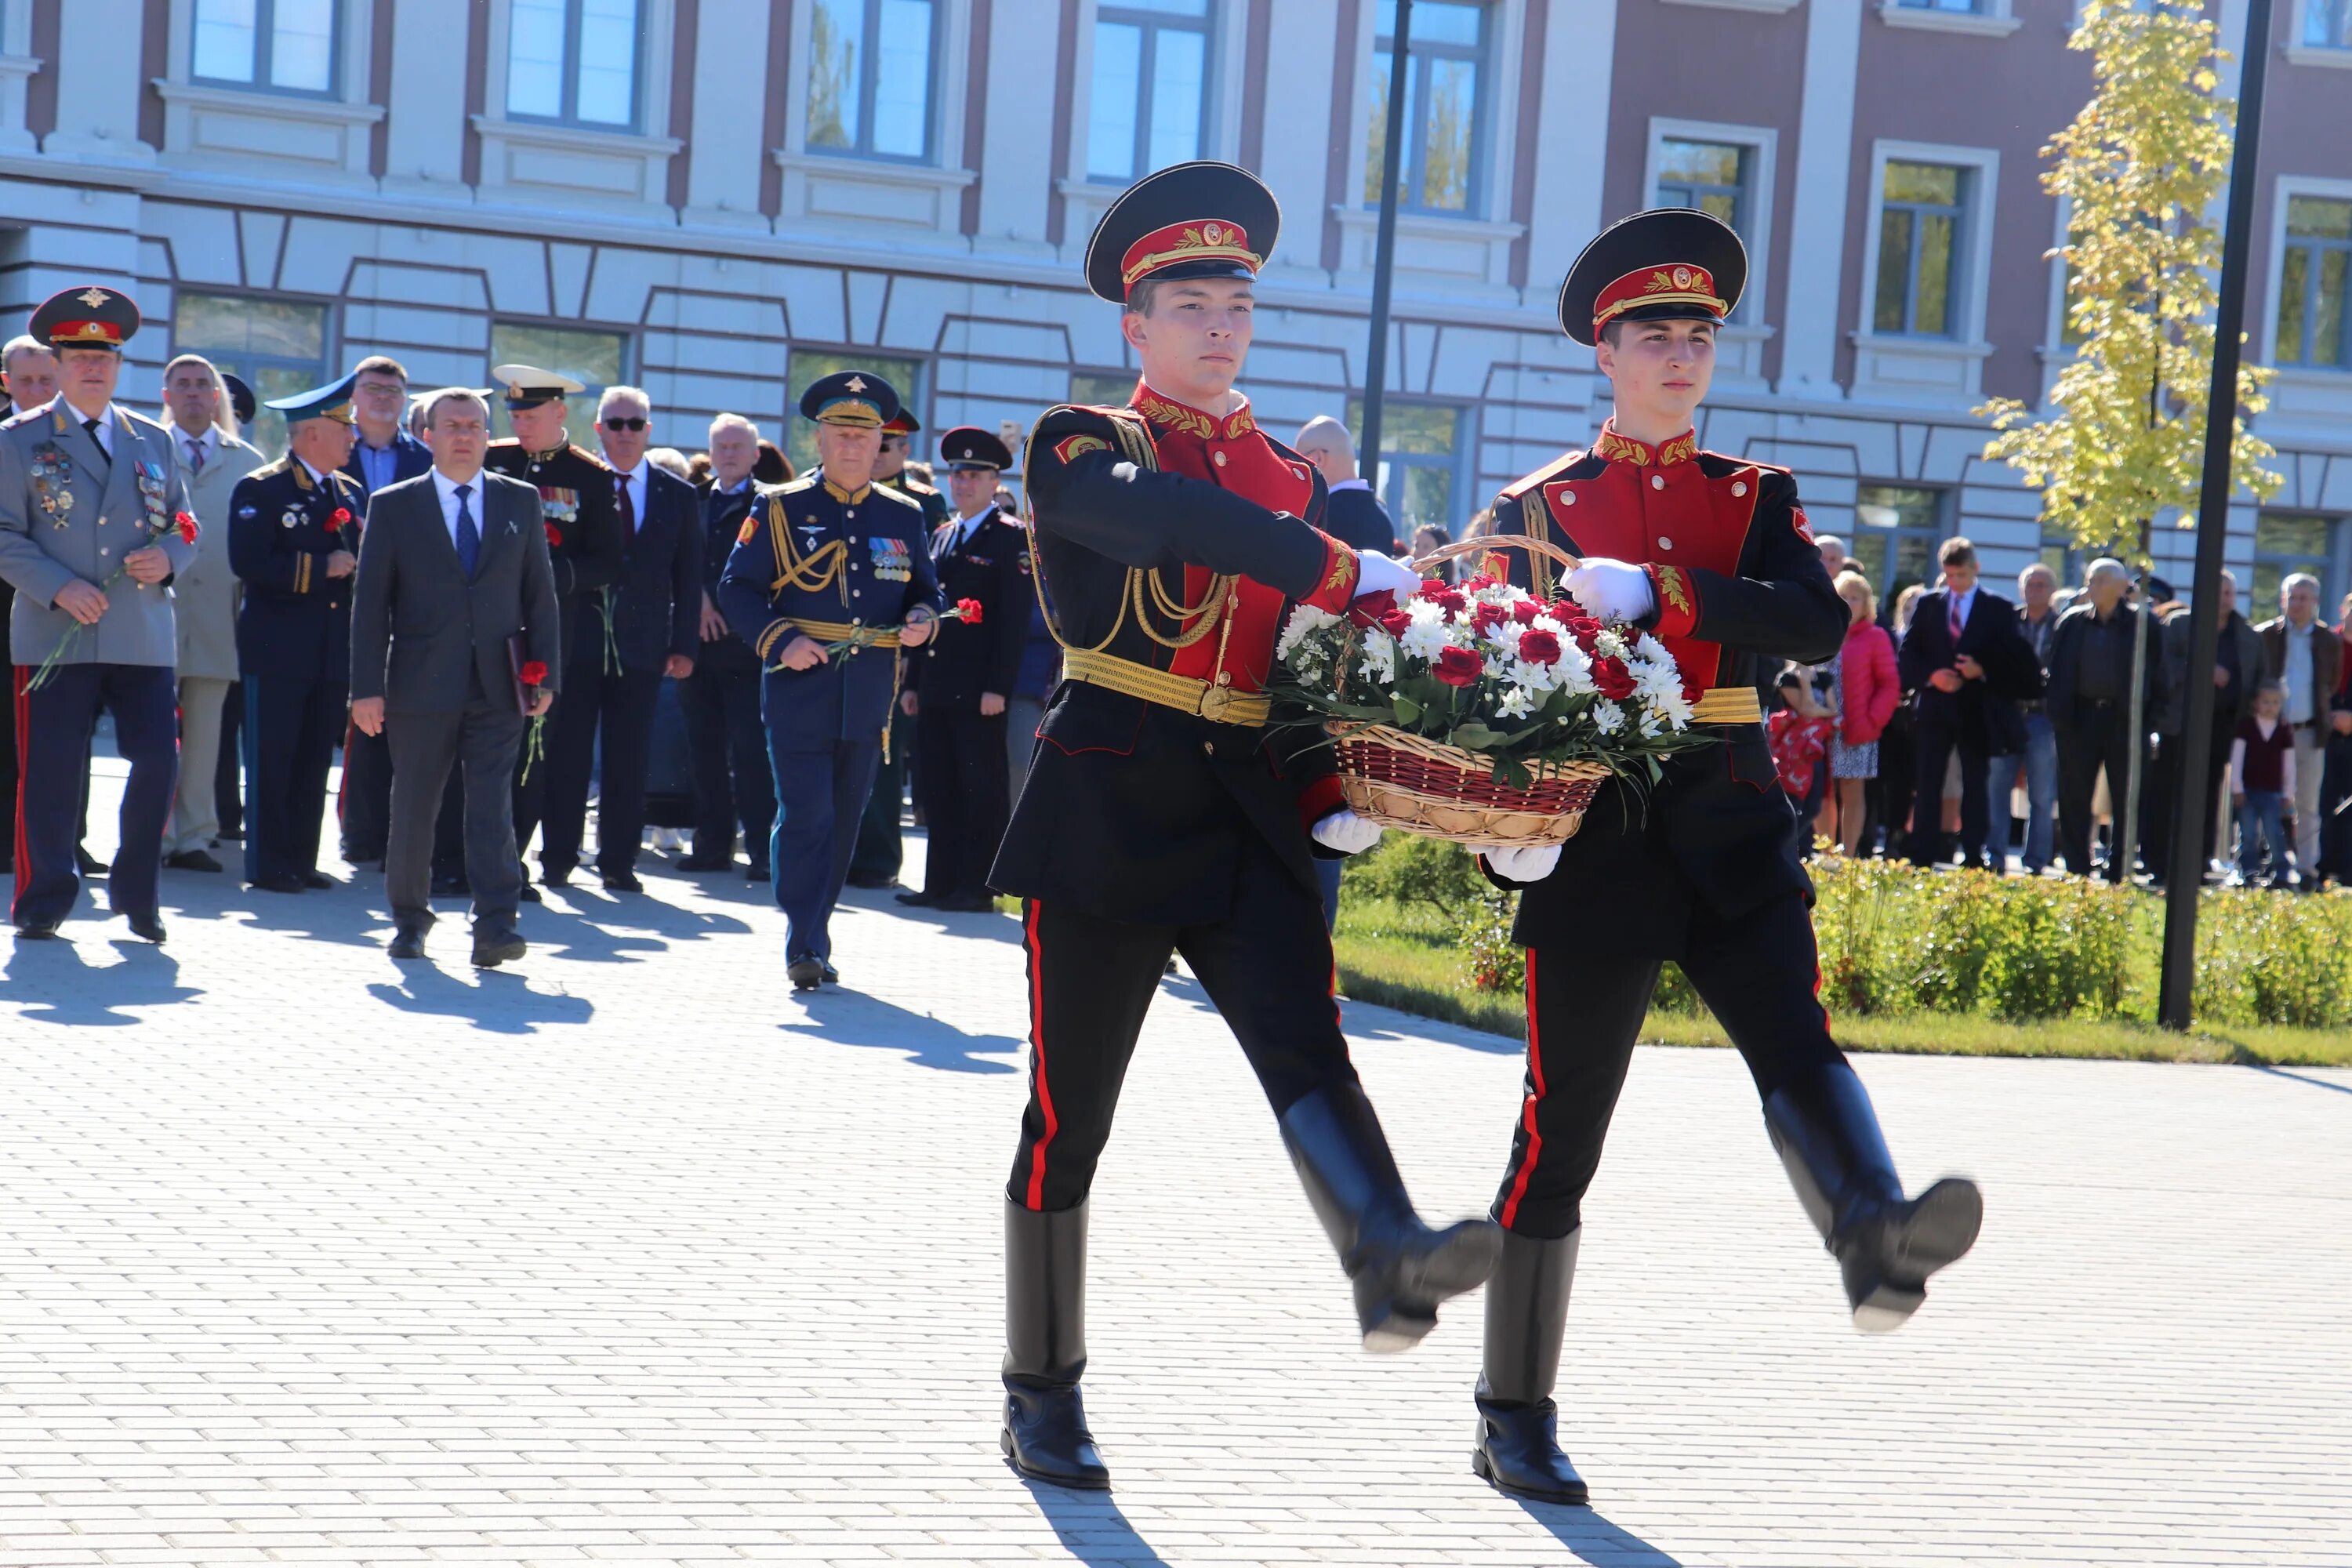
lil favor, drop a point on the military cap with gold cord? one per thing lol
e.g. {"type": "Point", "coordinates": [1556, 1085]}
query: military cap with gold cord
{"type": "Point", "coordinates": [333, 401]}
{"type": "Point", "coordinates": [95, 317]}
{"type": "Point", "coordinates": [968, 447]}
{"type": "Point", "coordinates": [1190, 220]}
{"type": "Point", "coordinates": [1671, 263]}
{"type": "Point", "coordinates": [853, 397]}
{"type": "Point", "coordinates": [528, 386]}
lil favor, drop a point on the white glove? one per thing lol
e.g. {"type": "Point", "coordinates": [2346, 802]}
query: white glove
{"type": "Point", "coordinates": [1525, 862]}
{"type": "Point", "coordinates": [1375, 572]}
{"type": "Point", "coordinates": [1611, 590]}
{"type": "Point", "coordinates": [1347, 832]}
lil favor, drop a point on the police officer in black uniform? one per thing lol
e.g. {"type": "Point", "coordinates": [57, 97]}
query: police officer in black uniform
{"type": "Point", "coordinates": [584, 538]}
{"type": "Point", "coordinates": [957, 684]}
{"type": "Point", "coordinates": [294, 542]}
{"type": "Point", "coordinates": [1712, 555]}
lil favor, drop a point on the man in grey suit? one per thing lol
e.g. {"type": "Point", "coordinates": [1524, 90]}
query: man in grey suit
{"type": "Point", "coordinates": [454, 565]}
{"type": "Point", "coordinates": [94, 522]}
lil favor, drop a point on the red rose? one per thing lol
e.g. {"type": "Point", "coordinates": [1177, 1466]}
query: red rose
{"type": "Point", "coordinates": [186, 525]}
{"type": "Point", "coordinates": [1396, 623]}
{"type": "Point", "coordinates": [969, 610]}
{"type": "Point", "coordinates": [1526, 611]}
{"type": "Point", "coordinates": [1370, 610]}
{"type": "Point", "coordinates": [534, 673]}
{"type": "Point", "coordinates": [1485, 617]}
{"type": "Point", "coordinates": [1445, 596]}
{"type": "Point", "coordinates": [1539, 647]}
{"type": "Point", "coordinates": [1477, 584]}
{"type": "Point", "coordinates": [554, 536]}
{"type": "Point", "coordinates": [1614, 680]}
{"type": "Point", "coordinates": [1458, 667]}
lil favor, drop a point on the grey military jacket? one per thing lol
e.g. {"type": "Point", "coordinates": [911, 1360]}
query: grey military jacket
{"type": "Point", "coordinates": [67, 513]}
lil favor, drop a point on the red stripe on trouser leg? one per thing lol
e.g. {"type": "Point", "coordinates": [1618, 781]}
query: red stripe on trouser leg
{"type": "Point", "coordinates": [1036, 1196]}
{"type": "Point", "coordinates": [1527, 1108]}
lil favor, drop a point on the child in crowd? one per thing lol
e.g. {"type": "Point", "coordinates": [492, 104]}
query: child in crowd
{"type": "Point", "coordinates": [1801, 729]}
{"type": "Point", "coordinates": [2261, 785]}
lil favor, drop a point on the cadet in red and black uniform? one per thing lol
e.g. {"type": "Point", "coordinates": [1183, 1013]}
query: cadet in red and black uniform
{"type": "Point", "coordinates": [1170, 540]}
{"type": "Point", "coordinates": [1712, 555]}
{"type": "Point", "coordinates": [584, 543]}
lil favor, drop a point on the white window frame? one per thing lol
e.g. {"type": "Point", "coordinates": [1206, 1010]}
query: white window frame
{"type": "Point", "coordinates": [1997, 19]}
{"type": "Point", "coordinates": [2053, 353]}
{"type": "Point", "coordinates": [571, 86]}
{"type": "Point", "coordinates": [2289, 188]}
{"type": "Point", "coordinates": [549, 163]}
{"type": "Point", "coordinates": [1936, 370]}
{"type": "Point", "coordinates": [1212, 26]}
{"type": "Point", "coordinates": [2334, 57]}
{"type": "Point", "coordinates": [1747, 332]}
{"type": "Point", "coordinates": [334, 57]}
{"type": "Point", "coordinates": [260, 131]}
{"type": "Point", "coordinates": [1085, 200]}
{"type": "Point", "coordinates": [2308, 402]}
{"type": "Point", "coordinates": [17, 67]}
{"type": "Point", "coordinates": [878, 201]}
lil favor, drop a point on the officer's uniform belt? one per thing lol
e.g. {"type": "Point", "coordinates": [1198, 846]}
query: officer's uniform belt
{"type": "Point", "coordinates": [842, 631]}
{"type": "Point", "coordinates": [1218, 704]}
{"type": "Point", "coordinates": [1728, 705]}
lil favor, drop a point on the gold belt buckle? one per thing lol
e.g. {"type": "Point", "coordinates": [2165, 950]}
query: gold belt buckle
{"type": "Point", "coordinates": [1217, 698]}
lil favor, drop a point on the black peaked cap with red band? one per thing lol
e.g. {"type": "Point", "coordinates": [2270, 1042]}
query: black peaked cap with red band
{"type": "Point", "coordinates": [968, 447]}
{"type": "Point", "coordinates": [93, 317]}
{"type": "Point", "coordinates": [1671, 263]}
{"type": "Point", "coordinates": [1189, 220]}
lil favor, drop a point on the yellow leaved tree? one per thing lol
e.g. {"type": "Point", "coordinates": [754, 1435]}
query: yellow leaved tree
{"type": "Point", "coordinates": [2140, 167]}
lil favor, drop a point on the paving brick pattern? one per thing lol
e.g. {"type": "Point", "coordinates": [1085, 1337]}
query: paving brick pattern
{"type": "Point", "coordinates": [626, 1254]}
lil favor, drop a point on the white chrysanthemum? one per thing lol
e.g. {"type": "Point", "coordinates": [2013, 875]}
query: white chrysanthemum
{"type": "Point", "coordinates": [1648, 646]}
{"type": "Point", "coordinates": [1609, 645]}
{"type": "Point", "coordinates": [1652, 727]}
{"type": "Point", "coordinates": [1379, 662]}
{"type": "Point", "coordinates": [1428, 636]}
{"type": "Point", "coordinates": [1539, 677]}
{"type": "Point", "coordinates": [1516, 703]}
{"type": "Point", "coordinates": [1574, 670]}
{"type": "Point", "coordinates": [1608, 718]}
{"type": "Point", "coordinates": [1304, 620]}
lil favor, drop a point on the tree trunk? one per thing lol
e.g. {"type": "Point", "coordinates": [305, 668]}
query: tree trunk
{"type": "Point", "coordinates": [2119, 870]}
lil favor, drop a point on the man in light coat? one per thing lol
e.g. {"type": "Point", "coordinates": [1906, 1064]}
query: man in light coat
{"type": "Point", "coordinates": [211, 458]}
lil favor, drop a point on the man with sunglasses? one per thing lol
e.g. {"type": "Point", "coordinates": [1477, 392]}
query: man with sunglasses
{"type": "Point", "coordinates": [614, 682]}
{"type": "Point", "coordinates": [384, 455]}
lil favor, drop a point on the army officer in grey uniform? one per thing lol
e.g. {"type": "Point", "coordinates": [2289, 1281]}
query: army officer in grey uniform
{"type": "Point", "coordinates": [94, 523]}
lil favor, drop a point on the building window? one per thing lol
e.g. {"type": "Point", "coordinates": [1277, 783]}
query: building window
{"type": "Point", "coordinates": [869, 84]}
{"type": "Point", "coordinates": [2328, 24]}
{"type": "Point", "coordinates": [1922, 210]}
{"type": "Point", "coordinates": [277, 346]}
{"type": "Point", "coordinates": [286, 46]}
{"type": "Point", "coordinates": [2315, 324]}
{"type": "Point", "coordinates": [1102, 388]}
{"type": "Point", "coordinates": [574, 61]}
{"type": "Point", "coordinates": [596, 360]}
{"type": "Point", "coordinates": [1439, 170]}
{"type": "Point", "coordinates": [2061, 555]}
{"type": "Point", "coordinates": [904, 375]}
{"type": "Point", "coordinates": [1963, 7]}
{"type": "Point", "coordinates": [1421, 474]}
{"type": "Point", "coordinates": [2287, 542]}
{"type": "Point", "coordinates": [1710, 176]}
{"type": "Point", "coordinates": [1897, 528]}
{"type": "Point", "coordinates": [1150, 87]}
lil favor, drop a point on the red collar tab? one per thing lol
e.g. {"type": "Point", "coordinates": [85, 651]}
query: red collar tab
{"type": "Point", "coordinates": [1200, 239]}
{"type": "Point", "coordinates": [1678, 283]}
{"type": "Point", "coordinates": [1191, 421]}
{"type": "Point", "coordinates": [1615, 448]}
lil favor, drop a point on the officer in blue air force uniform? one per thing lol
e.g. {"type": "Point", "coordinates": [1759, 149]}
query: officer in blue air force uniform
{"type": "Point", "coordinates": [831, 559]}
{"type": "Point", "coordinates": [294, 542]}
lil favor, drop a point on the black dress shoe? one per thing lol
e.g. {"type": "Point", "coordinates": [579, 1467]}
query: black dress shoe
{"type": "Point", "coordinates": [622, 882]}
{"type": "Point", "coordinates": [555, 876]}
{"type": "Point", "coordinates": [832, 976]}
{"type": "Point", "coordinates": [706, 862]}
{"type": "Point", "coordinates": [36, 929]}
{"type": "Point", "coordinates": [451, 886]}
{"type": "Point", "coordinates": [191, 860]}
{"type": "Point", "coordinates": [530, 895]}
{"type": "Point", "coordinates": [967, 904]}
{"type": "Point", "coordinates": [805, 972]}
{"type": "Point", "coordinates": [317, 882]}
{"type": "Point", "coordinates": [926, 899]}
{"type": "Point", "coordinates": [757, 873]}
{"type": "Point", "coordinates": [873, 884]}
{"type": "Point", "coordinates": [407, 942]}
{"type": "Point", "coordinates": [88, 863]}
{"type": "Point", "coordinates": [148, 928]}
{"type": "Point", "coordinates": [497, 948]}
{"type": "Point", "coordinates": [284, 882]}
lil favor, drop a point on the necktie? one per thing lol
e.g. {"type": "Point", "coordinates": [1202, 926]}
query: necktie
{"type": "Point", "coordinates": [1956, 621]}
{"type": "Point", "coordinates": [195, 455]}
{"type": "Point", "coordinates": [470, 538]}
{"type": "Point", "coordinates": [628, 511]}
{"type": "Point", "coordinates": [91, 425]}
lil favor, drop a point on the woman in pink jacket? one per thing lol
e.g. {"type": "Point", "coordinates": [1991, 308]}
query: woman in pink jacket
{"type": "Point", "coordinates": [1868, 691]}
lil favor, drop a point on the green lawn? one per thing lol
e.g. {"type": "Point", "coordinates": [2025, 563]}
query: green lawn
{"type": "Point", "coordinates": [1406, 958]}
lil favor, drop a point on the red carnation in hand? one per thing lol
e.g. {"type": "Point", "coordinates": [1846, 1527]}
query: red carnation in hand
{"type": "Point", "coordinates": [186, 525]}
{"type": "Point", "coordinates": [342, 517]}
{"type": "Point", "coordinates": [1525, 612]}
{"type": "Point", "coordinates": [1612, 680]}
{"type": "Point", "coordinates": [554, 536]}
{"type": "Point", "coordinates": [534, 673]}
{"type": "Point", "coordinates": [1539, 647]}
{"type": "Point", "coordinates": [1458, 667]}
{"type": "Point", "coordinates": [968, 611]}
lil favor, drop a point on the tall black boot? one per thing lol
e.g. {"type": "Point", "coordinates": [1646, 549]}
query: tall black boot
{"type": "Point", "coordinates": [1402, 1269]}
{"type": "Point", "coordinates": [1046, 1434]}
{"type": "Point", "coordinates": [1519, 1425]}
{"type": "Point", "coordinates": [1886, 1246]}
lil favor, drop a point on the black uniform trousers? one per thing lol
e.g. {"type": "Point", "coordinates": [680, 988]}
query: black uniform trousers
{"type": "Point", "coordinates": [733, 783]}
{"type": "Point", "coordinates": [228, 769]}
{"type": "Point", "coordinates": [1932, 748]}
{"type": "Point", "coordinates": [291, 717]}
{"type": "Point", "coordinates": [582, 641]}
{"type": "Point", "coordinates": [966, 789]}
{"type": "Point", "coordinates": [483, 741]}
{"type": "Point", "coordinates": [54, 726]}
{"type": "Point", "coordinates": [1266, 966]}
{"type": "Point", "coordinates": [2099, 737]}
{"type": "Point", "coordinates": [881, 847]}
{"type": "Point", "coordinates": [1759, 975]}
{"type": "Point", "coordinates": [620, 705]}
{"type": "Point", "coordinates": [366, 795]}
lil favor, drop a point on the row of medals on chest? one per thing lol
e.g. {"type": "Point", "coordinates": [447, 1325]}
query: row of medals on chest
{"type": "Point", "coordinates": [53, 481]}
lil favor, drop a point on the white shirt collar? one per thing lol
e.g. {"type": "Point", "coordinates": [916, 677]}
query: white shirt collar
{"type": "Point", "coordinates": [316, 477]}
{"type": "Point", "coordinates": [1355, 484]}
{"type": "Point", "coordinates": [447, 487]}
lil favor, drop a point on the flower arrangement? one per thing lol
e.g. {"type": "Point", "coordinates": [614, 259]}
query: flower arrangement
{"type": "Point", "coordinates": [179, 522]}
{"type": "Point", "coordinates": [533, 675]}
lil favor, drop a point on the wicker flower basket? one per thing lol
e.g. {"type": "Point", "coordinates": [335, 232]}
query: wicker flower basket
{"type": "Point", "coordinates": [1408, 782]}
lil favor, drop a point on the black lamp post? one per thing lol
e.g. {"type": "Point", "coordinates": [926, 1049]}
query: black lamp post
{"type": "Point", "coordinates": [1376, 360]}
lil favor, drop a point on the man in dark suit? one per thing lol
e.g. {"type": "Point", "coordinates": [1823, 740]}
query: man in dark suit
{"type": "Point", "coordinates": [652, 618]}
{"type": "Point", "coordinates": [1970, 665]}
{"type": "Point", "coordinates": [733, 779]}
{"type": "Point", "coordinates": [453, 567]}
{"type": "Point", "coordinates": [1356, 517]}
{"type": "Point", "coordinates": [958, 683]}
{"type": "Point", "coordinates": [2089, 704]}
{"type": "Point", "coordinates": [384, 455]}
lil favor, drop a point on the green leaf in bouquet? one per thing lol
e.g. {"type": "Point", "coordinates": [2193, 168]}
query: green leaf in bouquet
{"type": "Point", "coordinates": [1474, 736]}
{"type": "Point", "coordinates": [1408, 712]}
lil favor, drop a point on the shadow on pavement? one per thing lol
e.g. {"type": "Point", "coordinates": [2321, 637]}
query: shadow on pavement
{"type": "Point", "coordinates": [1593, 1539]}
{"type": "Point", "coordinates": [1092, 1528]}
{"type": "Point", "coordinates": [604, 929]}
{"type": "Point", "coordinates": [837, 1017]}
{"type": "Point", "coordinates": [58, 985]}
{"type": "Point", "coordinates": [2300, 1078]}
{"type": "Point", "coordinates": [502, 1003]}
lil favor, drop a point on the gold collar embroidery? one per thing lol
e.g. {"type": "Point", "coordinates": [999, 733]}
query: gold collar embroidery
{"type": "Point", "coordinates": [1190, 420]}
{"type": "Point", "coordinates": [838, 493]}
{"type": "Point", "coordinates": [1615, 448]}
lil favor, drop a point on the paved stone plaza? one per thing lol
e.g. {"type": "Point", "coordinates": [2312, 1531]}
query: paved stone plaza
{"type": "Point", "coordinates": [625, 1254]}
